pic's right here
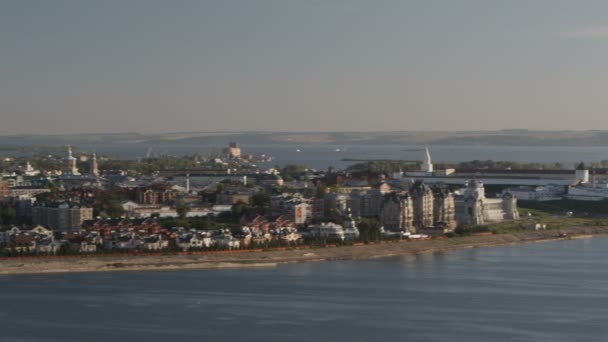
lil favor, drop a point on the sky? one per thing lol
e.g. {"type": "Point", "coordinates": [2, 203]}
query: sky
{"type": "Point", "coordinates": [150, 66]}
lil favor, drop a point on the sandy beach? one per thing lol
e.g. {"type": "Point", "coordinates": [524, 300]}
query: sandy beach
{"type": "Point", "coordinates": [33, 265]}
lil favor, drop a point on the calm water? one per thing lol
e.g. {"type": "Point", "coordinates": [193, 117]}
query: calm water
{"type": "Point", "coordinates": [554, 291]}
{"type": "Point", "coordinates": [323, 155]}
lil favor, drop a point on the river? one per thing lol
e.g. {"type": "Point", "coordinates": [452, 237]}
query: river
{"type": "Point", "coordinates": [321, 156]}
{"type": "Point", "coordinates": [552, 291]}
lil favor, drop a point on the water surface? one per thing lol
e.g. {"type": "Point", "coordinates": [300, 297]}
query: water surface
{"type": "Point", "coordinates": [555, 291]}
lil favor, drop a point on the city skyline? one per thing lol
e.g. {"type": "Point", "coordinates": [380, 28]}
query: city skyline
{"type": "Point", "coordinates": [157, 66]}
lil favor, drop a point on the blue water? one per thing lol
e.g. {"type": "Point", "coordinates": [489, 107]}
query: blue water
{"type": "Point", "coordinates": [554, 291]}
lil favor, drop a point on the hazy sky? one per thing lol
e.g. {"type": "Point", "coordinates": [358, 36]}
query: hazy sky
{"type": "Point", "coordinates": [318, 65]}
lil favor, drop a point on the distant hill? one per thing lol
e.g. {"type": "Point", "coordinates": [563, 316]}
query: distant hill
{"type": "Point", "coordinates": [510, 137]}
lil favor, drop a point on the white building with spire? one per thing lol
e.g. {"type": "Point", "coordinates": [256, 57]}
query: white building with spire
{"type": "Point", "coordinates": [427, 165]}
{"type": "Point", "coordinates": [30, 171]}
{"type": "Point", "coordinates": [94, 166]}
{"type": "Point", "coordinates": [71, 167]}
{"type": "Point", "coordinates": [426, 168]}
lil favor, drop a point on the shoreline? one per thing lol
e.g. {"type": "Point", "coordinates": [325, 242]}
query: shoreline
{"type": "Point", "coordinates": [253, 259]}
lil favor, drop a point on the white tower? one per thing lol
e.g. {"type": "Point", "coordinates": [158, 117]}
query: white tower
{"type": "Point", "coordinates": [581, 175]}
{"type": "Point", "coordinates": [71, 161]}
{"type": "Point", "coordinates": [94, 167]}
{"type": "Point", "coordinates": [427, 165]}
{"type": "Point", "coordinates": [188, 183]}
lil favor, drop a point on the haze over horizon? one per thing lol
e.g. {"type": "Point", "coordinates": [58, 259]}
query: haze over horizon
{"type": "Point", "coordinates": [152, 66]}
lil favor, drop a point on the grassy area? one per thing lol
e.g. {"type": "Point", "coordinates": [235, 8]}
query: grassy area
{"type": "Point", "coordinates": [561, 207]}
{"type": "Point", "coordinates": [532, 216]}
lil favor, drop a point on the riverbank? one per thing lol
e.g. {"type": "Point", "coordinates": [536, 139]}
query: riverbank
{"type": "Point", "coordinates": [275, 257]}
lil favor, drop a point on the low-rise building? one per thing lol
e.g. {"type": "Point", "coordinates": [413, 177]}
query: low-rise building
{"type": "Point", "coordinates": [537, 193]}
{"type": "Point", "coordinates": [332, 230]}
{"type": "Point", "coordinates": [27, 192]}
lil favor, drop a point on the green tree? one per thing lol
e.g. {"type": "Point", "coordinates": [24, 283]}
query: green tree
{"type": "Point", "coordinates": [182, 210]}
{"type": "Point", "coordinates": [114, 209]}
{"type": "Point", "coordinates": [238, 210]}
{"type": "Point", "coordinates": [53, 187]}
{"type": "Point", "coordinates": [8, 215]}
{"type": "Point", "coordinates": [369, 229]}
{"type": "Point", "coordinates": [261, 200]}
{"type": "Point", "coordinates": [293, 168]}
{"type": "Point", "coordinates": [335, 216]}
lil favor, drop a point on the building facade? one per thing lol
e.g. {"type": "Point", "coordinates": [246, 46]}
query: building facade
{"type": "Point", "coordinates": [61, 217]}
{"type": "Point", "coordinates": [444, 212]}
{"type": "Point", "coordinates": [397, 213]}
{"type": "Point", "coordinates": [3, 189]}
{"type": "Point", "coordinates": [154, 195]}
{"type": "Point", "coordinates": [475, 208]}
{"type": "Point", "coordinates": [422, 198]}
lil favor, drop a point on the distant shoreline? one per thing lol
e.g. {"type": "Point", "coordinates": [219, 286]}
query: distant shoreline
{"type": "Point", "coordinates": [248, 259]}
{"type": "Point", "coordinates": [509, 137]}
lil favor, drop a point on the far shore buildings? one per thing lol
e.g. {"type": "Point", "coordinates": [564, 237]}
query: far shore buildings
{"type": "Point", "coordinates": [585, 186]}
{"type": "Point", "coordinates": [233, 150]}
{"type": "Point", "coordinates": [504, 176]}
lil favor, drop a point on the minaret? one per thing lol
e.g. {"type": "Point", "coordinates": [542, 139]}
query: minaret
{"type": "Point", "coordinates": [72, 162]}
{"type": "Point", "coordinates": [188, 183]}
{"type": "Point", "coordinates": [427, 165]}
{"type": "Point", "coordinates": [94, 167]}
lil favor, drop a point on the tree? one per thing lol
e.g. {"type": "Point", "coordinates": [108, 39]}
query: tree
{"type": "Point", "coordinates": [182, 210]}
{"type": "Point", "coordinates": [321, 191]}
{"type": "Point", "coordinates": [369, 229]}
{"type": "Point", "coordinates": [238, 209]}
{"type": "Point", "coordinates": [261, 200]}
{"type": "Point", "coordinates": [53, 187]}
{"type": "Point", "coordinates": [335, 216]}
{"type": "Point", "coordinates": [8, 215]}
{"type": "Point", "coordinates": [293, 168]}
{"type": "Point", "coordinates": [114, 209]}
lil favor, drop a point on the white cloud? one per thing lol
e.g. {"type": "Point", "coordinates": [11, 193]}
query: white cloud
{"type": "Point", "coordinates": [590, 32]}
